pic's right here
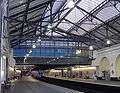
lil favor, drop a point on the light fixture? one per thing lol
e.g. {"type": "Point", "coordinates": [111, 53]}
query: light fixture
{"type": "Point", "coordinates": [90, 47]}
{"type": "Point", "coordinates": [70, 4]}
{"type": "Point", "coordinates": [33, 46]}
{"type": "Point", "coordinates": [108, 42]}
{"type": "Point", "coordinates": [27, 55]}
{"type": "Point", "coordinates": [38, 27]}
{"type": "Point", "coordinates": [49, 26]}
{"type": "Point", "coordinates": [4, 57]}
{"type": "Point", "coordinates": [25, 58]}
{"type": "Point", "coordinates": [33, 41]}
{"type": "Point", "coordinates": [30, 51]}
{"type": "Point", "coordinates": [39, 39]}
{"type": "Point", "coordinates": [78, 52]}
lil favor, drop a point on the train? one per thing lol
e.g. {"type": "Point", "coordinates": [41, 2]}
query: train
{"type": "Point", "coordinates": [37, 74]}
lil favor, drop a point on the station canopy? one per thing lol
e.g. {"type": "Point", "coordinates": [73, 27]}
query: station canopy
{"type": "Point", "coordinates": [89, 22]}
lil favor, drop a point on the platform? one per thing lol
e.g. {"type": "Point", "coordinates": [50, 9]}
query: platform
{"type": "Point", "coordinates": [85, 85]}
{"type": "Point", "coordinates": [99, 82]}
{"type": "Point", "coordinates": [30, 85]}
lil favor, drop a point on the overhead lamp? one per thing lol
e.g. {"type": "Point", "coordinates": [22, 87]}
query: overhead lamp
{"type": "Point", "coordinates": [49, 26]}
{"type": "Point", "coordinates": [33, 41]}
{"type": "Point", "coordinates": [25, 58]}
{"type": "Point", "coordinates": [90, 47]}
{"type": "Point", "coordinates": [33, 46]}
{"type": "Point", "coordinates": [27, 55]}
{"type": "Point", "coordinates": [39, 39]}
{"type": "Point", "coordinates": [38, 27]}
{"type": "Point", "coordinates": [108, 42]}
{"type": "Point", "coordinates": [78, 51]}
{"type": "Point", "coordinates": [30, 51]}
{"type": "Point", "coordinates": [70, 4]}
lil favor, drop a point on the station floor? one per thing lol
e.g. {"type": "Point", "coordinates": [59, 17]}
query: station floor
{"type": "Point", "coordinates": [30, 85]}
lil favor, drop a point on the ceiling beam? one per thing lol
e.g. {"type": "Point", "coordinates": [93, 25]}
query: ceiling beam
{"type": "Point", "coordinates": [34, 22]}
{"type": "Point", "coordinates": [31, 11]}
{"type": "Point", "coordinates": [67, 14]}
{"type": "Point", "coordinates": [98, 19]}
{"type": "Point", "coordinates": [11, 8]}
{"type": "Point", "coordinates": [94, 11]}
{"type": "Point", "coordinates": [101, 25]}
{"type": "Point", "coordinates": [85, 30]}
{"type": "Point", "coordinates": [24, 18]}
{"type": "Point", "coordinates": [32, 8]}
{"type": "Point", "coordinates": [71, 34]}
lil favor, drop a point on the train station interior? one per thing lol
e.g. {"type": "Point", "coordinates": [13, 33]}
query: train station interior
{"type": "Point", "coordinates": [59, 46]}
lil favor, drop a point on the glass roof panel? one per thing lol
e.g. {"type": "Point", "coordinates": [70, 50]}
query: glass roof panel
{"type": "Point", "coordinates": [118, 6]}
{"type": "Point", "coordinates": [87, 25]}
{"type": "Point", "coordinates": [13, 3]}
{"type": "Point", "coordinates": [95, 21]}
{"type": "Point", "coordinates": [35, 13]}
{"type": "Point", "coordinates": [63, 34]}
{"type": "Point", "coordinates": [89, 5]}
{"type": "Point", "coordinates": [37, 2]}
{"type": "Point", "coordinates": [75, 15]}
{"type": "Point", "coordinates": [45, 23]}
{"type": "Point", "coordinates": [81, 32]}
{"type": "Point", "coordinates": [107, 13]}
{"type": "Point", "coordinates": [57, 5]}
{"type": "Point", "coordinates": [53, 34]}
{"type": "Point", "coordinates": [17, 10]}
{"type": "Point", "coordinates": [64, 25]}
{"type": "Point", "coordinates": [78, 32]}
{"type": "Point", "coordinates": [63, 13]}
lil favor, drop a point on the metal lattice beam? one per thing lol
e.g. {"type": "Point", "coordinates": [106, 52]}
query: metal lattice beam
{"type": "Point", "coordinates": [97, 19]}
{"type": "Point", "coordinates": [32, 8]}
{"type": "Point", "coordinates": [85, 30]}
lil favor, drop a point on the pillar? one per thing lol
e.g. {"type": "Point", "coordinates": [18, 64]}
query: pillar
{"type": "Point", "coordinates": [4, 43]}
{"type": "Point", "coordinates": [7, 69]}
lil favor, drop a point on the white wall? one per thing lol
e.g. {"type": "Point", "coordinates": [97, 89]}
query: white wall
{"type": "Point", "coordinates": [111, 53]}
{"type": "Point", "coordinates": [5, 44]}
